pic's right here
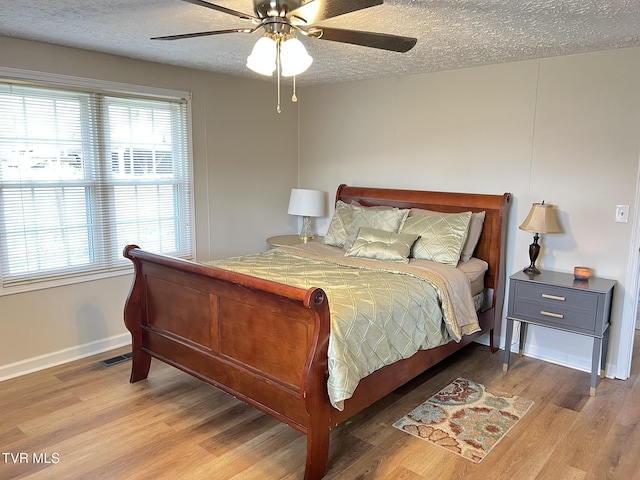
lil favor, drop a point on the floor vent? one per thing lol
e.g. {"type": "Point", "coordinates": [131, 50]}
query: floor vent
{"type": "Point", "coordinates": [115, 360]}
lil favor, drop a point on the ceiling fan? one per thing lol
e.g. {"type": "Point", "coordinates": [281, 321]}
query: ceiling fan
{"type": "Point", "coordinates": [302, 15]}
{"type": "Point", "coordinates": [278, 49]}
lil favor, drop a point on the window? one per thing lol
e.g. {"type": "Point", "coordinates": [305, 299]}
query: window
{"type": "Point", "coordinates": [82, 174]}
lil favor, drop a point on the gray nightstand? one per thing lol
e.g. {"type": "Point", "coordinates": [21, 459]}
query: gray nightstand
{"type": "Point", "coordinates": [557, 300]}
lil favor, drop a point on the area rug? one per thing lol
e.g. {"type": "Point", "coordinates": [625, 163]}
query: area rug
{"type": "Point", "coordinates": [465, 418]}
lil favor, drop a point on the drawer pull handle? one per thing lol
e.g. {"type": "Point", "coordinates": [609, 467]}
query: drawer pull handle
{"type": "Point", "coordinates": [551, 314]}
{"type": "Point", "coordinates": [553, 297]}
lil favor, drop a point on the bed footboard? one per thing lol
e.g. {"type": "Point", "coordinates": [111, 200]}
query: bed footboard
{"type": "Point", "coordinates": [198, 318]}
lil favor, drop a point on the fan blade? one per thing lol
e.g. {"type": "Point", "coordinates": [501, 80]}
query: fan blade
{"type": "Point", "coordinates": [318, 10]}
{"type": "Point", "coordinates": [219, 8]}
{"type": "Point", "coordinates": [382, 41]}
{"type": "Point", "coordinates": [204, 34]}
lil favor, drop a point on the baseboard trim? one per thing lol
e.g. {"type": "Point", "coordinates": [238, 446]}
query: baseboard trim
{"type": "Point", "coordinates": [66, 355]}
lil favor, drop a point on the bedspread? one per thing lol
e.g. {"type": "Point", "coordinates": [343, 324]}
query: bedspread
{"type": "Point", "coordinates": [381, 312]}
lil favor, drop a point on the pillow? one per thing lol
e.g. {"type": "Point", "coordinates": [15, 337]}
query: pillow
{"type": "Point", "coordinates": [340, 225]}
{"type": "Point", "coordinates": [441, 236]}
{"type": "Point", "coordinates": [387, 219]}
{"type": "Point", "coordinates": [382, 245]}
{"type": "Point", "coordinates": [473, 235]}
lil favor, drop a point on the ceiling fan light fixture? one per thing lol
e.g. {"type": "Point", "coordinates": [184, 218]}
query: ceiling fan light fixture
{"type": "Point", "coordinates": [263, 56]}
{"type": "Point", "coordinates": [294, 57]}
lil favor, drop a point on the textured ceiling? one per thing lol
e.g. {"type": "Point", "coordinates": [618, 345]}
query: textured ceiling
{"type": "Point", "coordinates": [451, 33]}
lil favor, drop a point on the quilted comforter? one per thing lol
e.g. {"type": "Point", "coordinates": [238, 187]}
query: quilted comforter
{"type": "Point", "coordinates": [381, 312]}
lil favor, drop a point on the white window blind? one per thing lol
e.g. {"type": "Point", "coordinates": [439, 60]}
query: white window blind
{"type": "Point", "coordinates": [82, 174]}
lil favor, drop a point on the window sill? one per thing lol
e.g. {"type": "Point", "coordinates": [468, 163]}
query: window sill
{"type": "Point", "coordinates": [63, 282]}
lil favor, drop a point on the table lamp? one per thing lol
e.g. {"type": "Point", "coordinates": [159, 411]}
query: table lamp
{"type": "Point", "coordinates": [306, 203]}
{"type": "Point", "coordinates": [541, 219]}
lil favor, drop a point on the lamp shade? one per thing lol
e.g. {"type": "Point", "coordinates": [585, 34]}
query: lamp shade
{"type": "Point", "coordinates": [306, 203]}
{"type": "Point", "coordinates": [294, 58]}
{"type": "Point", "coordinates": [542, 218]}
{"type": "Point", "coordinates": [263, 56]}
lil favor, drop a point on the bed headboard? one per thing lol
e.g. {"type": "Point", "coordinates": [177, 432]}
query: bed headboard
{"type": "Point", "coordinates": [491, 246]}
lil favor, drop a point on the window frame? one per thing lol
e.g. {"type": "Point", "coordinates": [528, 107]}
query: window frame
{"type": "Point", "coordinates": [44, 79]}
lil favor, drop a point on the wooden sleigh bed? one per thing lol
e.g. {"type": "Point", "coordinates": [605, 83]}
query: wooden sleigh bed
{"type": "Point", "coordinates": [266, 343]}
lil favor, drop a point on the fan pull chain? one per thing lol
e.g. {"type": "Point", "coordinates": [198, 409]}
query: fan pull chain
{"type": "Point", "coordinates": [294, 97]}
{"type": "Point", "coordinates": [279, 68]}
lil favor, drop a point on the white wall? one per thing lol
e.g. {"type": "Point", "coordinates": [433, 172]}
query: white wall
{"type": "Point", "coordinates": [565, 130]}
{"type": "Point", "coordinates": [241, 195]}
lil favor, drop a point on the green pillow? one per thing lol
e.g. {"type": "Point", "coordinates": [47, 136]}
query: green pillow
{"type": "Point", "coordinates": [340, 225]}
{"type": "Point", "coordinates": [473, 235]}
{"type": "Point", "coordinates": [382, 245]}
{"type": "Point", "coordinates": [441, 236]}
{"type": "Point", "coordinates": [387, 219]}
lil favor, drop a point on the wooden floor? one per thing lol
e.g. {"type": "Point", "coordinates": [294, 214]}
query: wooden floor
{"type": "Point", "coordinates": [88, 422]}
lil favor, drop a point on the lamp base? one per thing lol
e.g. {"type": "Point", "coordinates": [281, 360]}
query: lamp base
{"type": "Point", "coordinates": [305, 234]}
{"type": "Point", "coordinates": [534, 250]}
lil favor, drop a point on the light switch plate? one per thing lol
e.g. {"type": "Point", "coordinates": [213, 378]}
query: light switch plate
{"type": "Point", "coordinates": [622, 213]}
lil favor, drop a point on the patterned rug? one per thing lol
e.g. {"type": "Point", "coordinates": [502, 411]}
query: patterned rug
{"type": "Point", "coordinates": [465, 418]}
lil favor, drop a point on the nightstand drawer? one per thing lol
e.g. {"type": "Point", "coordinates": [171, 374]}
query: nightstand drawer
{"type": "Point", "coordinates": [552, 297]}
{"type": "Point", "coordinates": [556, 315]}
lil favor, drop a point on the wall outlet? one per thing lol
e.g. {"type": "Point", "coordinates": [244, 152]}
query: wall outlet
{"type": "Point", "coordinates": [622, 213]}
